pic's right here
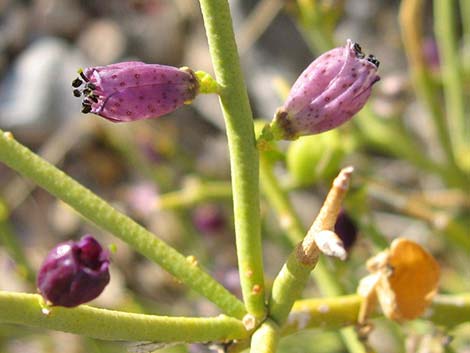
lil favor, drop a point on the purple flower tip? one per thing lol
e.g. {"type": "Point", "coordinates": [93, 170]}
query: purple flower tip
{"type": "Point", "coordinates": [134, 90]}
{"type": "Point", "coordinates": [346, 229]}
{"type": "Point", "coordinates": [328, 93]}
{"type": "Point", "coordinates": [74, 273]}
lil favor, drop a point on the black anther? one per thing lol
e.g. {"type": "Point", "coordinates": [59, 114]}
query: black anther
{"type": "Point", "coordinates": [77, 82]}
{"type": "Point", "coordinates": [357, 48]}
{"type": "Point", "coordinates": [77, 93]}
{"type": "Point", "coordinates": [83, 76]}
{"type": "Point", "coordinates": [86, 109]}
{"type": "Point", "coordinates": [371, 58]}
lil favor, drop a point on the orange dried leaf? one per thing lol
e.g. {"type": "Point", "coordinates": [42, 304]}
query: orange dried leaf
{"type": "Point", "coordinates": [413, 280]}
{"type": "Point", "coordinates": [408, 279]}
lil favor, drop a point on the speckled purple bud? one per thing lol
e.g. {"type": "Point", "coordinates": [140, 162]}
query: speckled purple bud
{"type": "Point", "coordinates": [346, 229]}
{"type": "Point", "coordinates": [74, 273]}
{"type": "Point", "coordinates": [134, 90]}
{"type": "Point", "coordinates": [329, 92]}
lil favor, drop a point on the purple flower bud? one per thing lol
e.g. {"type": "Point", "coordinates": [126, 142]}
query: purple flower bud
{"type": "Point", "coordinates": [74, 273]}
{"type": "Point", "coordinates": [346, 229]}
{"type": "Point", "coordinates": [328, 93]}
{"type": "Point", "coordinates": [134, 90]}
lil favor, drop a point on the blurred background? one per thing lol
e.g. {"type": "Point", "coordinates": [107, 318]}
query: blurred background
{"type": "Point", "coordinates": [409, 146]}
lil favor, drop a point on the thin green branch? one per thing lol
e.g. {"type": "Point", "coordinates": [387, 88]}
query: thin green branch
{"type": "Point", "coordinates": [194, 194]}
{"type": "Point", "coordinates": [341, 312]}
{"type": "Point", "coordinates": [26, 309]}
{"type": "Point", "coordinates": [411, 15]}
{"type": "Point", "coordinates": [445, 27]}
{"type": "Point", "coordinates": [98, 211]}
{"type": "Point", "coordinates": [295, 231]}
{"type": "Point", "coordinates": [383, 134]}
{"type": "Point", "coordinates": [11, 243]}
{"type": "Point", "coordinates": [312, 26]}
{"type": "Point", "coordinates": [291, 280]}
{"type": "Point", "coordinates": [266, 338]}
{"type": "Point", "coordinates": [441, 221]}
{"type": "Point", "coordinates": [465, 15]}
{"type": "Point", "coordinates": [336, 312]}
{"type": "Point", "coordinates": [243, 152]}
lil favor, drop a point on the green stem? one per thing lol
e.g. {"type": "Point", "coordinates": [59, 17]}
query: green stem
{"type": "Point", "coordinates": [384, 134]}
{"type": "Point", "coordinates": [445, 30]}
{"type": "Point", "coordinates": [443, 222]}
{"type": "Point", "coordinates": [336, 312]}
{"type": "Point", "coordinates": [25, 309]}
{"type": "Point", "coordinates": [194, 194]}
{"type": "Point", "coordinates": [288, 286]}
{"type": "Point", "coordinates": [13, 247]}
{"type": "Point", "coordinates": [291, 280]}
{"type": "Point", "coordinates": [411, 12]}
{"type": "Point", "coordinates": [266, 338]}
{"type": "Point", "coordinates": [243, 152]}
{"type": "Point", "coordinates": [465, 14]}
{"type": "Point", "coordinates": [122, 139]}
{"type": "Point", "coordinates": [292, 225]}
{"type": "Point", "coordinates": [207, 84]}
{"type": "Point", "coordinates": [312, 27]}
{"type": "Point", "coordinates": [105, 216]}
{"type": "Point", "coordinates": [295, 231]}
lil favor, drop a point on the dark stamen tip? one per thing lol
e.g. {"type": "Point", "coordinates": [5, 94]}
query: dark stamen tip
{"type": "Point", "coordinates": [371, 58]}
{"type": "Point", "coordinates": [82, 75]}
{"type": "Point", "coordinates": [77, 93]}
{"type": "Point", "coordinates": [86, 109]}
{"type": "Point", "coordinates": [357, 48]}
{"type": "Point", "coordinates": [77, 82]}
{"type": "Point", "coordinates": [91, 86]}
{"type": "Point", "coordinates": [93, 98]}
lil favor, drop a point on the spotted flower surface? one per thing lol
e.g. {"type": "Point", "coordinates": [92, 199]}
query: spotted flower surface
{"type": "Point", "coordinates": [328, 93]}
{"type": "Point", "coordinates": [74, 273]}
{"type": "Point", "coordinates": [134, 90]}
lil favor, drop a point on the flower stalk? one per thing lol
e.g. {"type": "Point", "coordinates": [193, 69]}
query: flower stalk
{"type": "Point", "coordinates": [341, 313]}
{"type": "Point", "coordinates": [411, 21]}
{"type": "Point", "coordinates": [98, 211]}
{"type": "Point", "coordinates": [452, 79]}
{"type": "Point", "coordinates": [243, 153]}
{"type": "Point", "coordinates": [10, 241]}
{"type": "Point", "coordinates": [295, 232]}
{"type": "Point", "coordinates": [266, 338]}
{"type": "Point", "coordinates": [195, 193]}
{"type": "Point", "coordinates": [25, 309]}
{"type": "Point", "coordinates": [329, 313]}
{"type": "Point", "coordinates": [291, 280]}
